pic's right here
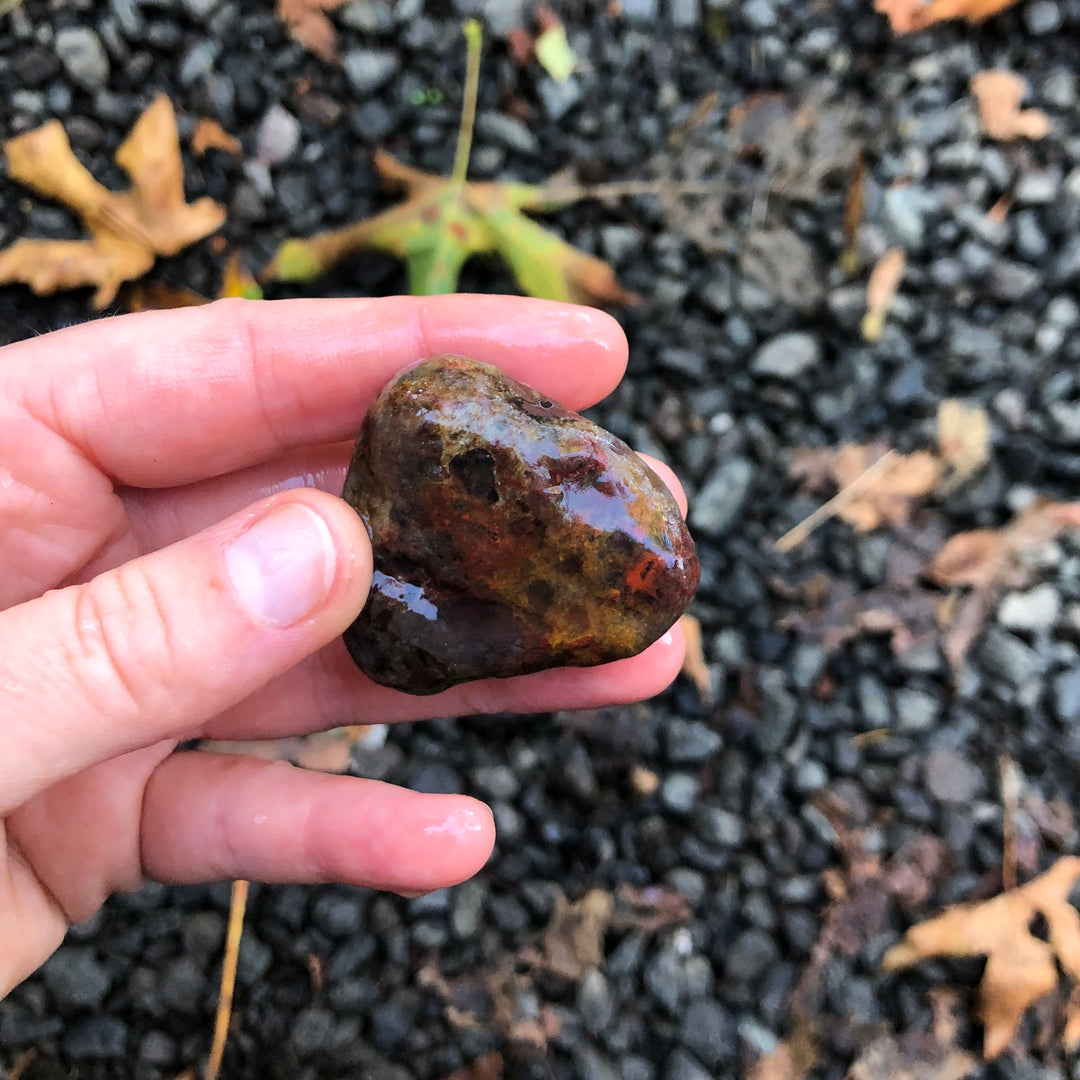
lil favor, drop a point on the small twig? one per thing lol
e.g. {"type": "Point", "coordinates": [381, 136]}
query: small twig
{"type": "Point", "coordinates": [237, 904]}
{"type": "Point", "coordinates": [1010, 800]}
{"type": "Point", "coordinates": [25, 1059]}
{"type": "Point", "coordinates": [793, 537]}
{"type": "Point", "coordinates": [473, 39]}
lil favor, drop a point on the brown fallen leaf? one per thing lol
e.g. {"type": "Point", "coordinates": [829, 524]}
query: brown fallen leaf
{"type": "Point", "coordinates": [1020, 967]}
{"type": "Point", "coordinates": [907, 16]}
{"type": "Point", "coordinates": [999, 94]}
{"type": "Point", "coordinates": [694, 666]}
{"type": "Point", "coordinates": [307, 23]}
{"type": "Point", "coordinates": [986, 558]}
{"type": "Point", "coordinates": [880, 291]}
{"type": "Point", "coordinates": [918, 1058]}
{"type": "Point", "coordinates": [791, 1060]}
{"type": "Point", "coordinates": [210, 135]}
{"type": "Point", "coordinates": [963, 433]}
{"type": "Point", "coordinates": [236, 280]}
{"type": "Point", "coordinates": [128, 229]}
{"type": "Point", "coordinates": [888, 498]}
{"type": "Point", "coordinates": [487, 1067]}
{"type": "Point", "coordinates": [573, 940]}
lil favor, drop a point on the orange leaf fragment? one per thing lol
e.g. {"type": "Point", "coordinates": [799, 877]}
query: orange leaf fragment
{"type": "Point", "coordinates": [791, 1060]}
{"type": "Point", "coordinates": [1020, 967]}
{"type": "Point", "coordinates": [880, 291]}
{"type": "Point", "coordinates": [999, 94]}
{"type": "Point", "coordinates": [210, 135]}
{"type": "Point", "coordinates": [906, 16]}
{"type": "Point", "coordinates": [128, 229]}
{"type": "Point", "coordinates": [889, 497]}
{"type": "Point", "coordinates": [963, 439]}
{"type": "Point", "coordinates": [984, 558]}
{"type": "Point", "coordinates": [307, 23]}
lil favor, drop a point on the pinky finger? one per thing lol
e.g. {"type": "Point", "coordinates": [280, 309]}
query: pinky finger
{"type": "Point", "coordinates": [210, 817]}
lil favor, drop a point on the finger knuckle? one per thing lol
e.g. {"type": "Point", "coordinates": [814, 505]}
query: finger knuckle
{"type": "Point", "coordinates": [124, 648]}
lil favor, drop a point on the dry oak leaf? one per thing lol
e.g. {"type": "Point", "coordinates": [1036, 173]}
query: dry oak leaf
{"type": "Point", "coordinates": [1020, 968]}
{"type": "Point", "coordinates": [791, 1060]}
{"type": "Point", "coordinates": [129, 229]}
{"type": "Point", "coordinates": [999, 94]}
{"type": "Point", "coordinates": [907, 16]}
{"type": "Point", "coordinates": [443, 222]}
{"type": "Point", "coordinates": [888, 499]}
{"type": "Point", "coordinates": [986, 558]}
{"type": "Point", "coordinates": [307, 23]}
{"type": "Point", "coordinates": [888, 1058]}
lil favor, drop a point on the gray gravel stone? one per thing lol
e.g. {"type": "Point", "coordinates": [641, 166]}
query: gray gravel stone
{"type": "Point", "coordinates": [1065, 695]}
{"type": "Point", "coordinates": [1036, 609]}
{"type": "Point", "coordinates": [200, 9]}
{"type": "Point", "coordinates": [595, 1002]}
{"type": "Point", "coordinates": [690, 740]}
{"type": "Point", "coordinates": [640, 11]}
{"type": "Point", "coordinates": [684, 1066]}
{"type": "Point", "coordinates": [720, 501]}
{"type": "Point", "coordinates": [369, 69]}
{"type": "Point", "coordinates": [1042, 17]}
{"type": "Point", "coordinates": [718, 826]}
{"type": "Point", "coordinates": [685, 14]}
{"type": "Point", "coordinates": [1037, 187]}
{"type": "Point", "coordinates": [96, 1038]}
{"type": "Point", "coordinates": [950, 778]}
{"type": "Point", "coordinates": [679, 792]}
{"type": "Point", "coordinates": [77, 979]}
{"type": "Point", "coordinates": [83, 56]}
{"type": "Point", "coordinates": [708, 1031]}
{"type": "Point", "coordinates": [505, 131]}
{"type": "Point", "coordinates": [787, 356]}
{"type": "Point", "coordinates": [557, 99]}
{"type": "Point", "coordinates": [278, 136]}
{"type": "Point", "coordinates": [916, 710]}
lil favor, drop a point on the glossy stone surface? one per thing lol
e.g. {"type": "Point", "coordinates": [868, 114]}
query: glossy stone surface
{"type": "Point", "coordinates": [510, 534]}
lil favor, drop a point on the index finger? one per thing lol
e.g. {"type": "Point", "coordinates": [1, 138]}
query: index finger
{"type": "Point", "coordinates": [167, 397]}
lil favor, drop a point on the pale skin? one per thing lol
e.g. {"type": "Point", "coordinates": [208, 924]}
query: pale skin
{"type": "Point", "coordinates": [174, 563]}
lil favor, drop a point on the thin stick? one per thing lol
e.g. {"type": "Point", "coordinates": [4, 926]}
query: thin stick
{"type": "Point", "coordinates": [793, 537]}
{"type": "Point", "coordinates": [26, 1058]}
{"type": "Point", "coordinates": [237, 904]}
{"type": "Point", "coordinates": [1010, 798]}
{"type": "Point", "coordinates": [474, 36]}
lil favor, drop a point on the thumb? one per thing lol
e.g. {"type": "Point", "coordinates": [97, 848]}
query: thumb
{"type": "Point", "coordinates": [154, 648]}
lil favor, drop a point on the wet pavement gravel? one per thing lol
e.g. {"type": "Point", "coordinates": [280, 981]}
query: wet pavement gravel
{"type": "Point", "coordinates": [746, 347]}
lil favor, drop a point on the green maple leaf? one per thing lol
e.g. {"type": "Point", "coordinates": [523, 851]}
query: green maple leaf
{"type": "Point", "coordinates": [445, 220]}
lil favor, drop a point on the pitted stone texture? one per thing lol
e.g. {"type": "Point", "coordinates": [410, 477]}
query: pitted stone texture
{"type": "Point", "coordinates": [509, 534]}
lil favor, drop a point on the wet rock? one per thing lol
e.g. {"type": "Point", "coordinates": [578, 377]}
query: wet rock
{"type": "Point", "coordinates": [510, 535]}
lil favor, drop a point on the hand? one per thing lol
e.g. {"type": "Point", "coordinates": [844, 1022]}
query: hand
{"type": "Point", "coordinates": [174, 562]}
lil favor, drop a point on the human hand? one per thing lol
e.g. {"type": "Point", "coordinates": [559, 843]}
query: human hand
{"type": "Point", "coordinates": [174, 563]}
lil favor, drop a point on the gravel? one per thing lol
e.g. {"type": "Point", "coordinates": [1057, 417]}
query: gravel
{"type": "Point", "coordinates": [745, 348]}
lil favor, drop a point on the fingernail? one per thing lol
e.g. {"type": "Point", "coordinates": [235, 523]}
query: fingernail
{"type": "Point", "coordinates": [283, 565]}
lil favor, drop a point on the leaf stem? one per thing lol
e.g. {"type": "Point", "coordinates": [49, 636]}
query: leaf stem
{"type": "Point", "coordinates": [228, 978]}
{"type": "Point", "coordinates": [473, 38]}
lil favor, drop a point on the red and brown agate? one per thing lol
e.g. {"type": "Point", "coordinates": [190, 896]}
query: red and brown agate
{"type": "Point", "coordinates": [509, 534]}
